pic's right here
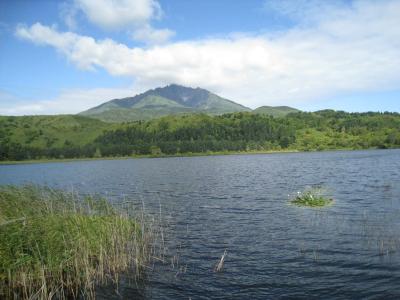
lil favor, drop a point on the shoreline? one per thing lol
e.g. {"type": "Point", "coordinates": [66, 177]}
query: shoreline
{"type": "Point", "coordinates": [196, 154]}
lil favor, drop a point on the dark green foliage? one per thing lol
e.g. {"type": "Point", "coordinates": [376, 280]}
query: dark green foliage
{"type": "Point", "coordinates": [247, 132]}
{"type": "Point", "coordinates": [35, 137]}
{"type": "Point", "coordinates": [329, 129]}
{"type": "Point", "coordinates": [199, 133]}
{"type": "Point", "coordinates": [81, 137]}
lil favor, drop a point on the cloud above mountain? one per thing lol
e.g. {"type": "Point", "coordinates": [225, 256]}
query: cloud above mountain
{"type": "Point", "coordinates": [345, 48]}
{"type": "Point", "coordinates": [133, 16]}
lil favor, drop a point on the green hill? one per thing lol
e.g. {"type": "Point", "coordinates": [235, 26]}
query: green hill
{"type": "Point", "coordinates": [303, 131]}
{"type": "Point", "coordinates": [50, 131]}
{"type": "Point", "coordinates": [68, 136]}
{"type": "Point", "coordinates": [170, 100]}
{"type": "Point", "coordinates": [276, 111]}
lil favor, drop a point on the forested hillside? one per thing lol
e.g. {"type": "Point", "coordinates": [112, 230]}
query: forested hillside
{"type": "Point", "coordinates": [246, 132]}
{"type": "Point", "coordinates": [32, 137]}
{"type": "Point", "coordinates": [77, 137]}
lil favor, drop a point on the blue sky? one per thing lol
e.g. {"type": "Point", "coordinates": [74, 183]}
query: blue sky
{"type": "Point", "coordinates": [67, 56]}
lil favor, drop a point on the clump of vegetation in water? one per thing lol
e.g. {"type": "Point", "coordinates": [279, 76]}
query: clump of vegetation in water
{"type": "Point", "coordinates": [54, 245]}
{"type": "Point", "coordinates": [312, 197]}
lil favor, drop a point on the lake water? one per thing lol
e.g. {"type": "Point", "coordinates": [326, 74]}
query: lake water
{"type": "Point", "coordinates": [240, 203]}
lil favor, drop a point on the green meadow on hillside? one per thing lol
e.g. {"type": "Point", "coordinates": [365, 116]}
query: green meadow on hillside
{"type": "Point", "coordinates": [276, 111]}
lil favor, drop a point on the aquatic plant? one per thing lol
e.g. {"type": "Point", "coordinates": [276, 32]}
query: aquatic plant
{"type": "Point", "coordinates": [56, 245]}
{"type": "Point", "coordinates": [312, 197]}
{"type": "Point", "coordinates": [220, 265]}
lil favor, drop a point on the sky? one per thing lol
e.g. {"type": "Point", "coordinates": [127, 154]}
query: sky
{"type": "Point", "coordinates": [61, 57]}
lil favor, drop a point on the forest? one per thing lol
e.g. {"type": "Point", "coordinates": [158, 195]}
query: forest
{"type": "Point", "coordinates": [30, 138]}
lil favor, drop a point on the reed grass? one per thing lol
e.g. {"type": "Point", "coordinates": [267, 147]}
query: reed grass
{"type": "Point", "coordinates": [56, 245]}
{"type": "Point", "coordinates": [312, 197]}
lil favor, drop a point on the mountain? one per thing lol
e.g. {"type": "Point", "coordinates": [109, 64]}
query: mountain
{"type": "Point", "coordinates": [276, 111]}
{"type": "Point", "coordinates": [171, 99]}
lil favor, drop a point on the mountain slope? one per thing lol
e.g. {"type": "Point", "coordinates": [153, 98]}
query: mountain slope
{"type": "Point", "coordinates": [50, 131]}
{"type": "Point", "coordinates": [172, 99]}
{"type": "Point", "coordinates": [276, 111]}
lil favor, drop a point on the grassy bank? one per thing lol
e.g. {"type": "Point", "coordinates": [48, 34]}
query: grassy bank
{"type": "Point", "coordinates": [53, 245]}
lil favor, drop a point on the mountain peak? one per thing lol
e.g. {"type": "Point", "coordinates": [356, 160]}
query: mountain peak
{"type": "Point", "coordinates": [170, 99]}
{"type": "Point", "coordinates": [179, 86]}
{"type": "Point", "coordinates": [192, 97]}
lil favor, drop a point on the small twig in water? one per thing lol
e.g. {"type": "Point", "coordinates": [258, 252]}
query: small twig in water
{"type": "Point", "coordinates": [220, 265]}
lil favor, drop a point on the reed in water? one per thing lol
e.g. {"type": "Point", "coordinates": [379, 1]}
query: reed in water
{"type": "Point", "coordinates": [54, 244]}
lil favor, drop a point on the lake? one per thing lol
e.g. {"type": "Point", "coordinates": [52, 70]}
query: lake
{"type": "Point", "coordinates": [240, 203]}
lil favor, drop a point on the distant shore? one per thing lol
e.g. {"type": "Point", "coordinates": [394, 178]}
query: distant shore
{"type": "Point", "coordinates": [218, 153]}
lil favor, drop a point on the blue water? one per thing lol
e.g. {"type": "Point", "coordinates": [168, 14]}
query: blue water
{"type": "Point", "coordinates": [240, 203]}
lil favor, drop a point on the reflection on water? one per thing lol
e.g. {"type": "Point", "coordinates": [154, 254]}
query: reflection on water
{"type": "Point", "coordinates": [240, 203]}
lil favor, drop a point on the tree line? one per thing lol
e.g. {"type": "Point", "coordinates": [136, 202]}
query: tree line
{"type": "Point", "coordinates": [199, 133]}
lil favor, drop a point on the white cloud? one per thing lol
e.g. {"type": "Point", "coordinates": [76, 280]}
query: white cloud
{"type": "Point", "coordinates": [117, 14]}
{"type": "Point", "coordinates": [68, 102]}
{"type": "Point", "coordinates": [68, 14]}
{"type": "Point", "coordinates": [151, 36]}
{"type": "Point", "coordinates": [134, 16]}
{"type": "Point", "coordinates": [354, 48]}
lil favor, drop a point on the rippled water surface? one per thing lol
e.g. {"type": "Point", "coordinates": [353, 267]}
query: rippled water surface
{"type": "Point", "coordinates": [240, 203]}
